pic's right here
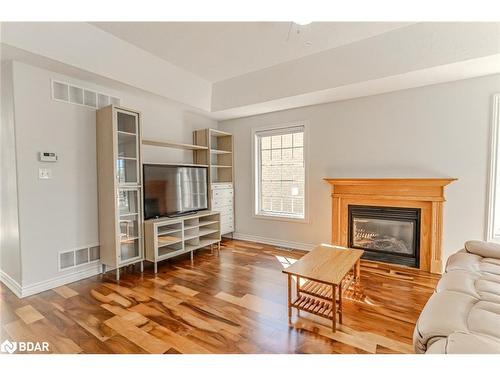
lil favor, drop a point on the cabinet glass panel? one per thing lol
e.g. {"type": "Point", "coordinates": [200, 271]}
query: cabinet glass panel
{"type": "Point", "coordinates": [127, 145]}
{"type": "Point", "coordinates": [129, 249]}
{"type": "Point", "coordinates": [128, 202]}
{"type": "Point", "coordinates": [127, 122]}
{"type": "Point", "coordinates": [129, 227]}
{"type": "Point", "coordinates": [127, 171]}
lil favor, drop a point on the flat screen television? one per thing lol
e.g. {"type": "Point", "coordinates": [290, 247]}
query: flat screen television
{"type": "Point", "coordinates": [172, 190]}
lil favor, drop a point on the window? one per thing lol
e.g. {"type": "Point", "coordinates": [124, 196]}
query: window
{"type": "Point", "coordinates": [494, 182]}
{"type": "Point", "coordinates": [280, 173]}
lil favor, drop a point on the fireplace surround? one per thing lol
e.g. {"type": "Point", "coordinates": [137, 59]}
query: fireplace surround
{"type": "Point", "coordinates": [387, 234]}
{"type": "Point", "coordinates": [425, 194]}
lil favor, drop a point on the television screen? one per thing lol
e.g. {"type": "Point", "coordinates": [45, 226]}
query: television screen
{"type": "Point", "coordinates": [171, 190]}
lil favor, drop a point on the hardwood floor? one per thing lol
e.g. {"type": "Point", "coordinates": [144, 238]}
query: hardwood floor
{"type": "Point", "coordinates": [232, 302]}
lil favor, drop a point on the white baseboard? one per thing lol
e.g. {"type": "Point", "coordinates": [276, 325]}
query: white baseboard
{"type": "Point", "coordinates": [10, 283]}
{"type": "Point", "coordinates": [274, 241]}
{"type": "Point", "coordinates": [78, 274]}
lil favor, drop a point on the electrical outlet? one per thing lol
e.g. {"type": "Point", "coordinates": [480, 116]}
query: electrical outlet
{"type": "Point", "coordinates": [44, 173]}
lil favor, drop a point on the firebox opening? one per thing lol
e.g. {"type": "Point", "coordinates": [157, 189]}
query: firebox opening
{"type": "Point", "coordinates": [387, 234]}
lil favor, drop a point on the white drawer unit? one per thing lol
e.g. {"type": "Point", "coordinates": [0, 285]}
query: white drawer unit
{"type": "Point", "coordinates": [222, 201]}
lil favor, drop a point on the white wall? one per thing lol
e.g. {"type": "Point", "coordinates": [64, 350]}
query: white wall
{"type": "Point", "coordinates": [10, 256]}
{"type": "Point", "coordinates": [61, 213]}
{"type": "Point", "coordinates": [433, 131]}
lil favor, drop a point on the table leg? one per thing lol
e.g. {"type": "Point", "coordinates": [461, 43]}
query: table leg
{"type": "Point", "coordinates": [358, 270]}
{"type": "Point", "coordinates": [340, 303]}
{"type": "Point", "coordinates": [297, 291]}
{"type": "Point", "coordinates": [334, 308]}
{"type": "Point", "coordinates": [289, 299]}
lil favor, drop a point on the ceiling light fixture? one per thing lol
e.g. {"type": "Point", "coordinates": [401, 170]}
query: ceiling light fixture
{"type": "Point", "coordinates": [302, 23]}
{"type": "Point", "coordinates": [299, 32]}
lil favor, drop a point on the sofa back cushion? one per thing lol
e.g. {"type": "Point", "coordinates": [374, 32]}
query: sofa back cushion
{"type": "Point", "coordinates": [484, 249]}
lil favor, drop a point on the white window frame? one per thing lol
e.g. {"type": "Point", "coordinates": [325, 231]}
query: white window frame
{"type": "Point", "coordinates": [494, 177]}
{"type": "Point", "coordinates": [255, 173]}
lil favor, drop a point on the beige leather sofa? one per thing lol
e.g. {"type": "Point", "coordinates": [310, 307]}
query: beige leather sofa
{"type": "Point", "coordinates": [463, 315]}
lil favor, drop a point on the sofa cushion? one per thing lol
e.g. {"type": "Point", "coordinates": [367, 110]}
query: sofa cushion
{"type": "Point", "coordinates": [460, 281]}
{"type": "Point", "coordinates": [484, 318]}
{"type": "Point", "coordinates": [483, 249]}
{"type": "Point", "coordinates": [465, 261]}
{"type": "Point", "coordinates": [483, 286]}
{"type": "Point", "coordinates": [463, 343]}
{"type": "Point", "coordinates": [445, 312]}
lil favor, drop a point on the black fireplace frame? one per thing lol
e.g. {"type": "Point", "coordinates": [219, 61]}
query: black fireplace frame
{"type": "Point", "coordinates": [389, 213]}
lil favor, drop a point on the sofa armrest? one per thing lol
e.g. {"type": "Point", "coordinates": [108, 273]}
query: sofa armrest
{"type": "Point", "coordinates": [483, 248]}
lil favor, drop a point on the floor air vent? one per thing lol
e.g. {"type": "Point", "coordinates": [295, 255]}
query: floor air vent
{"type": "Point", "coordinates": [78, 257]}
{"type": "Point", "coordinates": [65, 92]}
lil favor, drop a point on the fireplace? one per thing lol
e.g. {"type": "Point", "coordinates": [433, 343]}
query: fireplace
{"type": "Point", "coordinates": [387, 234]}
{"type": "Point", "coordinates": [424, 194]}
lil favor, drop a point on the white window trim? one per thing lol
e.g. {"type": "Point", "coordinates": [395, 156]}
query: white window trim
{"type": "Point", "coordinates": [255, 167]}
{"type": "Point", "coordinates": [494, 179]}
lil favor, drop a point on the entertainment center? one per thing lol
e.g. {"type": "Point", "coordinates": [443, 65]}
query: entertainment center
{"type": "Point", "coordinates": [164, 210]}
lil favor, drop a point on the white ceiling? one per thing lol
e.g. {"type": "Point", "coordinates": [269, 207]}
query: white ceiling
{"type": "Point", "coordinates": [412, 56]}
{"type": "Point", "coordinates": [216, 51]}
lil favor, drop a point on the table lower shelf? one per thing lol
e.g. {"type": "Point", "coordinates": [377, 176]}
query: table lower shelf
{"type": "Point", "coordinates": [324, 291]}
{"type": "Point", "coordinates": [314, 306]}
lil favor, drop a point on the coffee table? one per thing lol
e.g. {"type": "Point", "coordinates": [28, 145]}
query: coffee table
{"type": "Point", "coordinates": [327, 270]}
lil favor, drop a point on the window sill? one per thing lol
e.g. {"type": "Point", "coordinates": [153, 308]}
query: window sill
{"type": "Point", "coordinates": [282, 218]}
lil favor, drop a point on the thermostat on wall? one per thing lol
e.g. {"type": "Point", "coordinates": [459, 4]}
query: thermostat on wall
{"type": "Point", "coordinates": [48, 156]}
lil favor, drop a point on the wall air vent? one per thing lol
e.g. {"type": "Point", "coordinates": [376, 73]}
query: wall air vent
{"type": "Point", "coordinates": [78, 257]}
{"type": "Point", "coordinates": [68, 93]}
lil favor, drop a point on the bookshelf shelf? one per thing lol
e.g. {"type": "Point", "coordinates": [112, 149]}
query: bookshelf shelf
{"type": "Point", "coordinates": [170, 144]}
{"type": "Point", "coordinates": [220, 152]}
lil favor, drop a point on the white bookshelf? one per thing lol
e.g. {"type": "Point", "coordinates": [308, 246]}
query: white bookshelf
{"type": "Point", "coordinates": [218, 155]}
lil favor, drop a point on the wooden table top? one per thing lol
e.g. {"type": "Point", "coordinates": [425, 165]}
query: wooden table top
{"type": "Point", "coordinates": [325, 263]}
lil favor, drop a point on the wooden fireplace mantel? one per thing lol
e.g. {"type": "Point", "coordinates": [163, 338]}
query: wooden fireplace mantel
{"type": "Point", "coordinates": [424, 193]}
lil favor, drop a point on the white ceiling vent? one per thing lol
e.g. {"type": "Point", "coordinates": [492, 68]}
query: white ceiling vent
{"type": "Point", "coordinates": [78, 257]}
{"type": "Point", "coordinates": [65, 92]}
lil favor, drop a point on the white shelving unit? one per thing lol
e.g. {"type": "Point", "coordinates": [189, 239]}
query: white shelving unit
{"type": "Point", "coordinates": [166, 238]}
{"type": "Point", "coordinates": [120, 187]}
{"type": "Point", "coordinates": [218, 155]}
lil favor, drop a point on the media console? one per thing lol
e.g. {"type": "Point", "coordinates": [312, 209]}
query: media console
{"type": "Point", "coordinates": [169, 237]}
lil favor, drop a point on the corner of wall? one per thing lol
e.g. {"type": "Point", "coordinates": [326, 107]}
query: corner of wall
{"type": "Point", "coordinates": [10, 258]}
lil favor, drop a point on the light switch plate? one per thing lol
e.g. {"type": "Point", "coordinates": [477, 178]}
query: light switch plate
{"type": "Point", "coordinates": [44, 173]}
